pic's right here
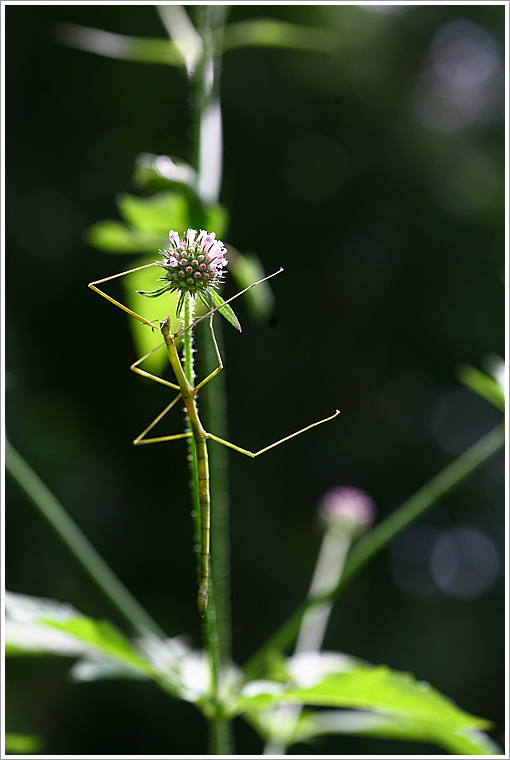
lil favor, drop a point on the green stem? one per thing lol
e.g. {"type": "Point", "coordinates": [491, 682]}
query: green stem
{"type": "Point", "coordinates": [77, 543]}
{"type": "Point", "coordinates": [214, 405]}
{"type": "Point", "coordinates": [218, 729]}
{"type": "Point", "coordinates": [206, 129]}
{"type": "Point", "coordinates": [189, 371]}
{"type": "Point", "coordinates": [371, 544]}
{"type": "Point", "coordinates": [207, 159]}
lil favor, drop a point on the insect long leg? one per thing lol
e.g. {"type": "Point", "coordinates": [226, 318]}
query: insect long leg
{"type": "Point", "coordinates": [135, 367]}
{"type": "Point", "coordinates": [254, 454]}
{"type": "Point", "coordinates": [141, 439]}
{"type": "Point", "coordinates": [220, 365]}
{"type": "Point", "coordinates": [92, 286]}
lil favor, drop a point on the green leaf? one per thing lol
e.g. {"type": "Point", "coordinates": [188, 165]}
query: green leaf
{"type": "Point", "coordinates": [357, 723]}
{"type": "Point", "coordinates": [99, 669]}
{"type": "Point", "coordinates": [395, 703]}
{"type": "Point", "coordinates": [43, 626]}
{"type": "Point", "coordinates": [225, 310]}
{"type": "Point", "coordinates": [159, 213]}
{"type": "Point", "coordinates": [25, 744]}
{"type": "Point", "coordinates": [166, 210]}
{"type": "Point", "coordinates": [216, 219]}
{"type": "Point", "coordinates": [113, 236]}
{"type": "Point", "coordinates": [484, 384]}
{"type": "Point", "coordinates": [102, 637]}
{"type": "Point", "coordinates": [37, 626]}
{"type": "Point", "coordinates": [153, 310]}
{"type": "Point", "coordinates": [372, 688]}
{"type": "Point", "coordinates": [164, 173]}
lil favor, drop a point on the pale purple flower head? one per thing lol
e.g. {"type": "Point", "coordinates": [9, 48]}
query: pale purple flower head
{"type": "Point", "coordinates": [348, 507]}
{"type": "Point", "coordinates": [193, 263]}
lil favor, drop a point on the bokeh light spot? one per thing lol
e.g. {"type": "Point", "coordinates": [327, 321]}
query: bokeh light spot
{"type": "Point", "coordinates": [465, 180]}
{"type": "Point", "coordinates": [464, 563]}
{"type": "Point", "coordinates": [462, 81]}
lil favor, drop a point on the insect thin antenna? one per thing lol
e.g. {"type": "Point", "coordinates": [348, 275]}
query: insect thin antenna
{"type": "Point", "coordinates": [209, 313]}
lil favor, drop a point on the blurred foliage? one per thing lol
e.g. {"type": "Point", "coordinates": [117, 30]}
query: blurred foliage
{"type": "Point", "coordinates": [373, 172]}
{"type": "Point", "coordinates": [396, 704]}
{"type": "Point", "coordinates": [484, 384]}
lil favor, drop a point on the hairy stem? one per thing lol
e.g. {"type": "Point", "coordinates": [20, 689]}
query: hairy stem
{"type": "Point", "coordinates": [371, 544]}
{"type": "Point", "coordinates": [51, 509]}
{"type": "Point", "coordinates": [207, 158]}
{"type": "Point", "coordinates": [217, 729]}
{"type": "Point", "coordinates": [207, 132]}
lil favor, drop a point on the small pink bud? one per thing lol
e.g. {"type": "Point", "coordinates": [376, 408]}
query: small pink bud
{"type": "Point", "coordinates": [347, 507]}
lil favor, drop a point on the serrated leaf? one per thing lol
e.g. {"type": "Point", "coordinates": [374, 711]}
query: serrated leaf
{"type": "Point", "coordinates": [225, 310]}
{"type": "Point", "coordinates": [357, 723]}
{"type": "Point", "coordinates": [372, 688]}
{"type": "Point", "coordinates": [102, 637]}
{"type": "Point", "coordinates": [113, 236]}
{"type": "Point", "coordinates": [386, 702]}
{"type": "Point", "coordinates": [44, 626]}
{"type": "Point", "coordinates": [39, 626]}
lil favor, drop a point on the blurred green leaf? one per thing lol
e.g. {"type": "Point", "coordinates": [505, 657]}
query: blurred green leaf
{"type": "Point", "coordinates": [483, 384]}
{"type": "Point", "coordinates": [153, 309]}
{"type": "Point", "coordinates": [113, 236]}
{"type": "Point", "coordinates": [398, 704]}
{"type": "Point", "coordinates": [158, 213]}
{"type": "Point", "coordinates": [246, 269]}
{"type": "Point", "coordinates": [252, 33]}
{"type": "Point", "coordinates": [166, 210]}
{"type": "Point", "coordinates": [373, 688]}
{"type": "Point", "coordinates": [358, 723]}
{"type": "Point", "coordinates": [25, 744]}
{"type": "Point", "coordinates": [112, 45]}
{"type": "Point", "coordinates": [102, 637]}
{"type": "Point", "coordinates": [216, 219]}
{"type": "Point", "coordinates": [164, 172]}
{"type": "Point", "coordinates": [43, 626]}
{"type": "Point", "coordinates": [278, 34]}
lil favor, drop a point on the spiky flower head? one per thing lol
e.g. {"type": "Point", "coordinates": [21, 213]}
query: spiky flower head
{"type": "Point", "coordinates": [193, 264]}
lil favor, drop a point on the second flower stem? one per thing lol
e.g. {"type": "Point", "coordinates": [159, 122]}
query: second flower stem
{"type": "Point", "coordinates": [374, 541]}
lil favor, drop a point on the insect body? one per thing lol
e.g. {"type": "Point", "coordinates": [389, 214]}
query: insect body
{"type": "Point", "coordinates": [188, 394]}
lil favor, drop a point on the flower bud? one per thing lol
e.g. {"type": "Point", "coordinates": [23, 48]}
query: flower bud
{"type": "Point", "coordinates": [348, 509]}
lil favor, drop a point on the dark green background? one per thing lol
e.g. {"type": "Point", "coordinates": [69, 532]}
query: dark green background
{"type": "Point", "coordinates": [393, 277]}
